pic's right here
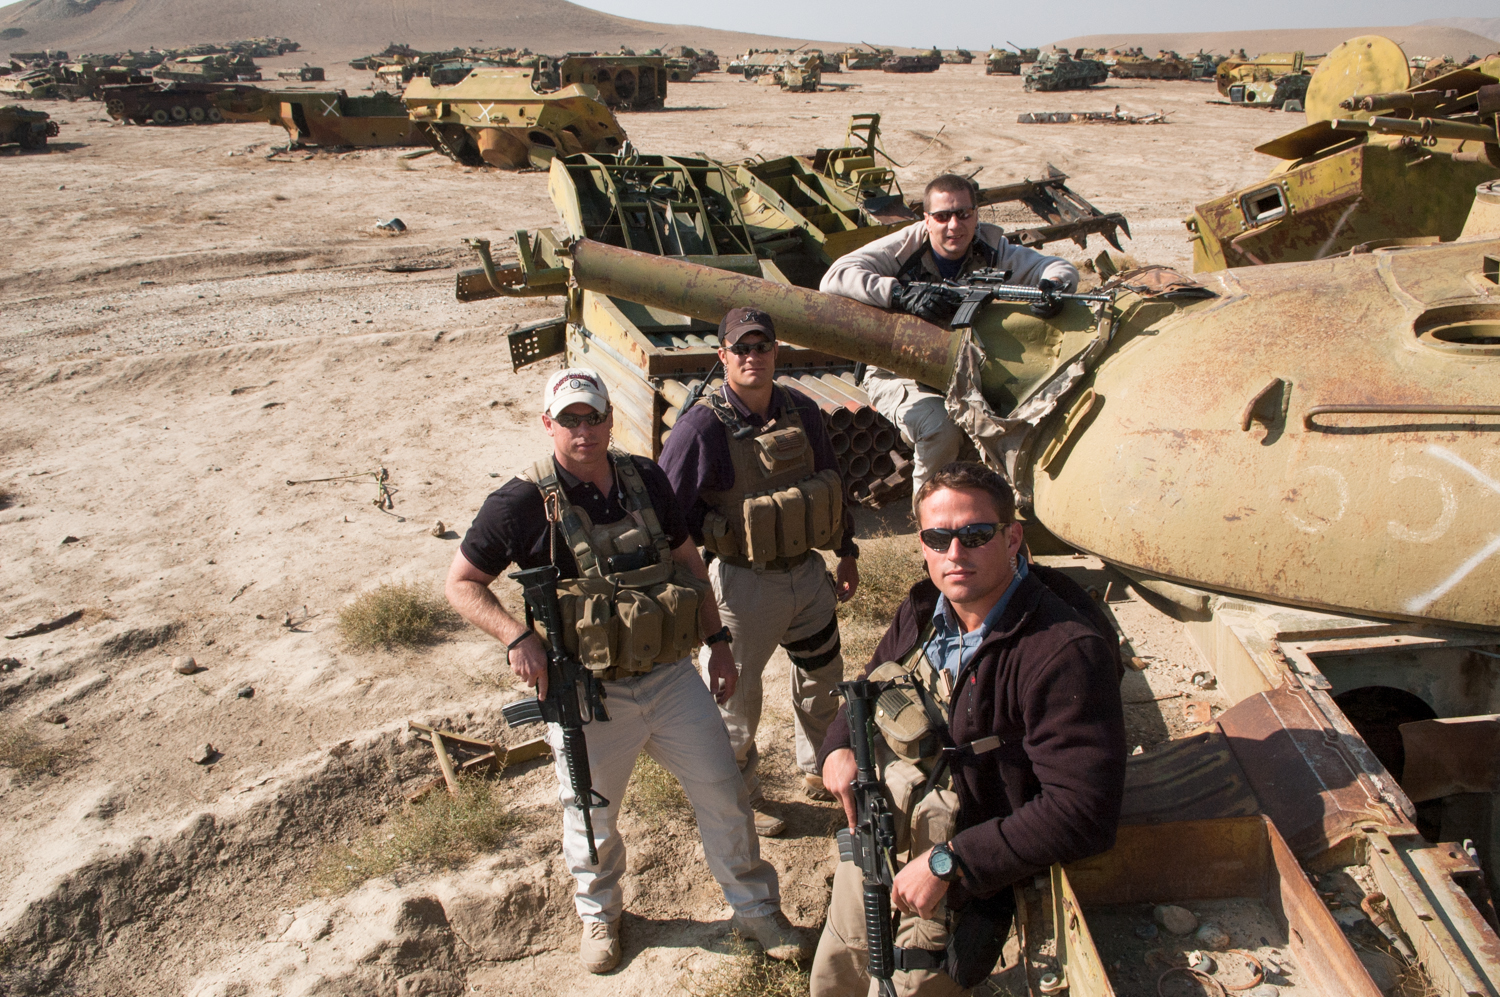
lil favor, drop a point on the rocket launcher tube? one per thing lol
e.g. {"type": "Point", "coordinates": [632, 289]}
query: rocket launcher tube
{"type": "Point", "coordinates": [843, 327]}
{"type": "Point", "coordinates": [1427, 128]}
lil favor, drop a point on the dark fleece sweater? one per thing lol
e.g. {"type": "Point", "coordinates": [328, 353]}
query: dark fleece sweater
{"type": "Point", "coordinates": [1046, 683]}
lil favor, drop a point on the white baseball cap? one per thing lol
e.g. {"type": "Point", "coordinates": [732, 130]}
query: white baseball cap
{"type": "Point", "coordinates": [576, 384]}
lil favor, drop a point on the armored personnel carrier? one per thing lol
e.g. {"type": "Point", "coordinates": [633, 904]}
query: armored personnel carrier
{"type": "Point", "coordinates": [174, 103]}
{"type": "Point", "coordinates": [495, 116]}
{"type": "Point", "coordinates": [929, 63]}
{"type": "Point", "coordinates": [625, 83]}
{"type": "Point", "coordinates": [1056, 70]}
{"type": "Point", "coordinates": [34, 84]}
{"type": "Point", "coordinates": [1377, 161]}
{"type": "Point", "coordinates": [24, 127]}
{"type": "Point", "coordinates": [1135, 65]}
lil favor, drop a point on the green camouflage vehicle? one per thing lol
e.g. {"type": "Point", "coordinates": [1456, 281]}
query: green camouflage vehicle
{"type": "Point", "coordinates": [1061, 71]}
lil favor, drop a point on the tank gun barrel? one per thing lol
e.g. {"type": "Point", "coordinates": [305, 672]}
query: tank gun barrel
{"type": "Point", "coordinates": [1428, 128]}
{"type": "Point", "coordinates": [902, 343]}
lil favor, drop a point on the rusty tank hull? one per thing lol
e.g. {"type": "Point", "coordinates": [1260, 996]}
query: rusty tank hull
{"type": "Point", "coordinates": [1324, 457]}
{"type": "Point", "coordinates": [173, 103]}
{"type": "Point", "coordinates": [496, 117]}
{"type": "Point", "coordinates": [329, 118]}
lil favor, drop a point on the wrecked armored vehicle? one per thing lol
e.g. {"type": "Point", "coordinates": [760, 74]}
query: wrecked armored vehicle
{"type": "Point", "coordinates": [1377, 162]}
{"type": "Point", "coordinates": [1008, 62]}
{"type": "Point", "coordinates": [495, 117]}
{"type": "Point", "coordinates": [174, 103]}
{"type": "Point", "coordinates": [1136, 65]}
{"type": "Point", "coordinates": [929, 63]}
{"type": "Point", "coordinates": [1265, 68]}
{"type": "Point", "coordinates": [625, 83]}
{"type": "Point", "coordinates": [26, 128]}
{"type": "Point", "coordinates": [328, 119]}
{"type": "Point", "coordinates": [1056, 70]}
{"type": "Point", "coordinates": [35, 84]}
{"type": "Point", "coordinates": [207, 69]}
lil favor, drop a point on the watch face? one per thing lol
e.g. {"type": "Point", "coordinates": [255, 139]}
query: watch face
{"type": "Point", "coordinates": [940, 862]}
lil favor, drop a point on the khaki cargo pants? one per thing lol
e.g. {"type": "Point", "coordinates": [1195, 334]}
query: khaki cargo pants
{"type": "Point", "coordinates": [920, 414]}
{"type": "Point", "coordinates": [841, 966]}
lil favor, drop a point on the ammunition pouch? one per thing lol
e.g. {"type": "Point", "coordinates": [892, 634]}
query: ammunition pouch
{"type": "Point", "coordinates": [781, 524]}
{"type": "Point", "coordinates": [633, 607]}
{"type": "Point", "coordinates": [628, 622]}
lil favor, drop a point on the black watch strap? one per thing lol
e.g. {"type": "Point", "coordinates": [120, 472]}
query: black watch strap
{"type": "Point", "coordinates": [722, 634]}
{"type": "Point", "coordinates": [955, 868]}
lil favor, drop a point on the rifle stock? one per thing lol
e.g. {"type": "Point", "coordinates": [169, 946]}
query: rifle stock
{"type": "Point", "coordinates": [574, 696]}
{"type": "Point", "coordinates": [872, 843]}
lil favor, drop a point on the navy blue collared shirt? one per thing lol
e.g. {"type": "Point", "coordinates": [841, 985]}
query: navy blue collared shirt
{"type": "Point", "coordinates": [950, 648]}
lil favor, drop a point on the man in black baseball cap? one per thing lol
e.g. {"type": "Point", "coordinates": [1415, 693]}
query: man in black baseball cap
{"type": "Point", "coordinates": [755, 473]}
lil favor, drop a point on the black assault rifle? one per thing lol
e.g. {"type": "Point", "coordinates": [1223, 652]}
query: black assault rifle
{"type": "Point", "coordinates": [574, 695]}
{"type": "Point", "coordinates": [871, 845]}
{"type": "Point", "coordinates": [979, 286]}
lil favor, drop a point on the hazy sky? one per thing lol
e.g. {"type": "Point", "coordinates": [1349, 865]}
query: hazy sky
{"type": "Point", "coordinates": [981, 23]}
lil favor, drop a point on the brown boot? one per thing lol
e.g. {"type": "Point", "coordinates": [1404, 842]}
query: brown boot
{"type": "Point", "coordinates": [766, 825]}
{"type": "Point", "coordinates": [773, 932]}
{"type": "Point", "coordinates": [599, 948]}
{"type": "Point", "coordinates": [813, 788]}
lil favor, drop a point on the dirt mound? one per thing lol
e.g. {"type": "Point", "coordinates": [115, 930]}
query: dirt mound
{"type": "Point", "coordinates": [1487, 26]}
{"type": "Point", "coordinates": [350, 27]}
{"type": "Point", "coordinates": [1414, 39]}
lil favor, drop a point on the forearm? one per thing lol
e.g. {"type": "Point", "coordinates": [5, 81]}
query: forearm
{"type": "Point", "coordinates": [708, 607]}
{"type": "Point", "coordinates": [478, 605]}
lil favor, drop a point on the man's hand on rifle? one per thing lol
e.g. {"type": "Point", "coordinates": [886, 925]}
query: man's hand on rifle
{"type": "Point", "coordinates": [1049, 305]}
{"type": "Point", "coordinates": [839, 770]}
{"type": "Point", "coordinates": [916, 890]}
{"type": "Point", "coordinates": [933, 302]}
{"type": "Point", "coordinates": [528, 661]}
{"type": "Point", "coordinates": [723, 675]}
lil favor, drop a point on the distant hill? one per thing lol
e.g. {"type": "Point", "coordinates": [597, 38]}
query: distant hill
{"type": "Point", "coordinates": [1419, 39]}
{"type": "Point", "coordinates": [348, 27]}
{"type": "Point", "coordinates": [1487, 26]}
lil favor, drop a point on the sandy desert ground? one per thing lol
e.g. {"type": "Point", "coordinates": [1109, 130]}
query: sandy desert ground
{"type": "Point", "coordinates": [185, 325]}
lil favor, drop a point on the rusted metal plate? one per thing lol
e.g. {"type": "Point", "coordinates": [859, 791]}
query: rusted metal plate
{"type": "Point", "coordinates": [1451, 755]}
{"type": "Point", "coordinates": [1191, 778]}
{"type": "Point", "coordinates": [1291, 757]}
{"type": "Point", "coordinates": [537, 341]}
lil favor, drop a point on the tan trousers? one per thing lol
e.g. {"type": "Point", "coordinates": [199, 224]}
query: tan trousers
{"type": "Point", "coordinates": [762, 611]}
{"type": "Point", "coordinates": [841, 966]}
{"type": "Point", "coordinates": [920, 414]}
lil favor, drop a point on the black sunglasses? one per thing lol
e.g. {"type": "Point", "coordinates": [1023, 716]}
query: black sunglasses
{"type": "Point", "coordinates": [941, 217]}
{"type": "Point", "coordinates": [973, 535]}
{"type": "Point", "coordinates": [571, 420]}
{"type": "Point", "coordinates": [745, 349]}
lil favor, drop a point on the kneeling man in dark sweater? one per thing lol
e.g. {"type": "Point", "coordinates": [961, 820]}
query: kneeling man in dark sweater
{"type": "Point", "coordinates": [1027, 735]}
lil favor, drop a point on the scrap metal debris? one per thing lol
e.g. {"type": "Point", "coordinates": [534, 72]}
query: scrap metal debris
{"type": "Point", "coordinates": [45, 628]}
{"type": "Point", "coordinates": [394, 226]}
{"type": "Point", "coordinates": [1115, 117]}
{"type": "Point", "coordinates": [457, 753]}
{"type": "Point", "coordinates": [383, 498]}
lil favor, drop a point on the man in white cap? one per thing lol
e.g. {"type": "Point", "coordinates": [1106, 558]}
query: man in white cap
{"type": "Point", "coordinates": [610, 519]}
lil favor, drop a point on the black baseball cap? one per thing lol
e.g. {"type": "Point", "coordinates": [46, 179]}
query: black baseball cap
{"type": "Point", "coordinates": [742, 320]}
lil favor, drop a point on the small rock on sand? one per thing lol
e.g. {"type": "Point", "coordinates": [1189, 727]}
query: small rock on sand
{"type": "Point", "coordinates": [184, 664]}
{"type": "Point", "coordinates": [1177, 920]}
{"type": "Point", "coordinates": [1211, 936]}
{"type": "Point", "coordinates": [204, 754]}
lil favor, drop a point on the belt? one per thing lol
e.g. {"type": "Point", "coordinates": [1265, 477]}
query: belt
{"type": "Point", "coordinates": [775, 564]}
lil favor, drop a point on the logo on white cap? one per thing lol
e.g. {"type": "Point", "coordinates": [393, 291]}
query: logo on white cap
{"type": "Point", "coordinates": [576, 384]}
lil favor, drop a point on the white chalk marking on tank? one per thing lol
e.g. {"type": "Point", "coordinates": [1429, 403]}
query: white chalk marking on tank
{"type": "Point", "coordinates": [1443, 453]}
{"type": "Point", "coordinates": [1401, 472]}
{"type": "Point", "coordinates": [1322, 523]}
{"type": "Point", "coordinates": [330, 107]}
{"type": "Point", "coordinates": [484, 111]}
{"type": "Point", "coordinates": [1484, 553]}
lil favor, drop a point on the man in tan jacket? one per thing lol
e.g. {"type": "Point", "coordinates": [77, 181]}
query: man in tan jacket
{"type": "Point", "coordinates": [901, 271]}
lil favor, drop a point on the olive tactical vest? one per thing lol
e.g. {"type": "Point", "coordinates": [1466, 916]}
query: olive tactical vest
{"type": "Point", "coordinates": [621, 621]}
{"type": "Point", "coordinates": [778, 509]}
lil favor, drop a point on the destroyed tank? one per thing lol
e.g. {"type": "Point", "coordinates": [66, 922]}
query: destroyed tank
{"type": "Point", "coordinates": [929, 63]}
{"type": "Point", "coordinates": [35, 84]}
{"type": "Point", "coordinates": [173, 103]}
{"type": "Point", "coordinates": [1008, 62]}
{"type": "Point", "coordinates": [1264, 68]}
{"type": "Point", "coordinates": [1378, 161]}
{"type": "Point", "coordinates": [1060, 71]}
{"type": "Point", "coordinates": [495, 117]}
{"type": "Point", "coordinates": [328, 119]}
{"type": "Point", "coordinates": [24, 127]}
{"type": "Point", "coordinates": [625, 83]}
{"type": "Point", "coordinates": [1135, 65]}
{"type": "Point", "coordinates": [857, 57]}
{"type": "Point", "coordinates": [958, 57]}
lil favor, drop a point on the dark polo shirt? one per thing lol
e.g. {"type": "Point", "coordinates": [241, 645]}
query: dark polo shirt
{"type": "Point", "coordinates": [511, 527]}
{"type": "Point", "coordinates": [696, 456]}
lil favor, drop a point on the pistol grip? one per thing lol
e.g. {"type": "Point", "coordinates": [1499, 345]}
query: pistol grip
{"type": "Point", "coordinates": [527, 711]}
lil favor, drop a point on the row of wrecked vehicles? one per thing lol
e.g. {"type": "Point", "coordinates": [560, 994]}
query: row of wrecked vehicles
{"type": "Point", "coordinates": [51, 74]}
{"type": "Point", "coordinates": [1293, 451]}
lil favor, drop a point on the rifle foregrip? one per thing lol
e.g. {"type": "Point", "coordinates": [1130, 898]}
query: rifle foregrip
{"type": "Point", "coordinates": [878, 932]}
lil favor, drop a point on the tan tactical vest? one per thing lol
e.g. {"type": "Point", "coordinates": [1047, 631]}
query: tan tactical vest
{"type": "Point", "coordinates": [621, 622]}
{"type": "Point", "coordinates": [778, 508]}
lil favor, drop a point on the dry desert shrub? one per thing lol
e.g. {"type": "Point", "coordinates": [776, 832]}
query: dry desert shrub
{"type": "Point", "coordinates": [395, 615]}
{"type": "Point", "coordinates": [654, 793]}
{"type": "Point", "coordinates": [439, 831]}
{"type": "Point", "coordinates": [748, 973]}
{"type": "Point", "coordinates": [31, 756]}
{"type": "Point", "coordinates": [889, 565]}
{"type": "Point", "coordinates": [7, 496]}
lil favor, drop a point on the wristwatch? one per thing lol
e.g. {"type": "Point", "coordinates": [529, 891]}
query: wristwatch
{"type": "Point", "coordinates": [943, 864]}
{"type": "Point", "coordinates": [722, 634]}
